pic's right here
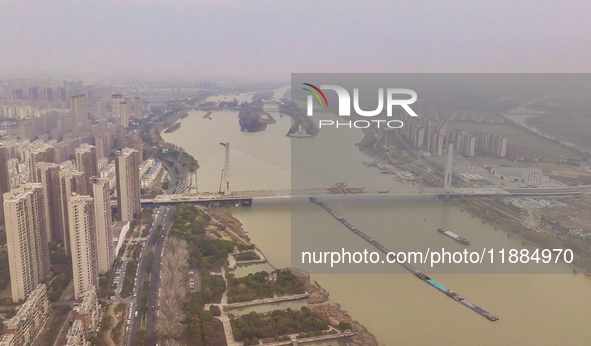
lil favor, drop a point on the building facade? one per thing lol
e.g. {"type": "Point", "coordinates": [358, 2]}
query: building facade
{"type": "Point", "coordinates": [87, 163]}
{"type": "Point", "coordinates": [26, 239]}
{"type": "Point", "coordinates": [30, 318]}
{"type": "Point", "coordinates": [79, 108]}
{"type": "Point", "coordinates": [83, 243]}
{"type": "Point", "coordinates": [88, 312]}
{"type": "Point", "coordinates": [128, 183]}
{"type": "Point", "coordinates": [101, 190]}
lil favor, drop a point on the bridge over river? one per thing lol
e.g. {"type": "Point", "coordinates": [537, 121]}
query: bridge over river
{"type": "Point", "coordinates": [255, 179]}
{"type": "Point", "coordinates": [246, 198]}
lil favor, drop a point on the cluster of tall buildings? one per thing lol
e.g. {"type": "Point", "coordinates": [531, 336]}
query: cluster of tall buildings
{"type": "Point", "coordinates": [53, 120]}
{"type": "Point", "coordinates": [56, 184]}
{"type": "Point", "coordinates": [432, 135]}
{"type": "Point", "coordinates": [67, 203]}
{"type": "Point", "coordinates": [123, 108]}
{"type": "Point", "coordinates": [493, 144]}
{"type": "Point", "coordinates": [427, 134]}
{"type": "Point", "coordinates": [35, 93]}
{"type": "Point", "coordinates": [26, 111]}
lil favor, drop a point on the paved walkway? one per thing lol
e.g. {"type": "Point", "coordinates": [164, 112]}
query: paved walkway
{"type": "Point", "coordinates": [269, 300]}
{"type": "Point", "coordinates": [228, 329]}
{"type": "Point", "coordinates": [107, 335]}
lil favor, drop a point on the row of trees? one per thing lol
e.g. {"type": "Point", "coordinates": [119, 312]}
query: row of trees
{"type": "Point", "coordinates": [129, 278]}
{"type": "Point", "coordinates": [189, 224]}
{"type": "Point", "coordinates": [173, 285]}
{"type": "Point", "coordinates": [199, 331]}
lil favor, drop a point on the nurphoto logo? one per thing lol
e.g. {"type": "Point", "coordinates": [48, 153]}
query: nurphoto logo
{"type": "Point", "coordinates": [345, 105]}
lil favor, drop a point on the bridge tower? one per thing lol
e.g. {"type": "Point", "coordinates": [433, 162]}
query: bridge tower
{"type": "Point", "coordinates": [226, 177]}
{"type": "Point", "coordinates": [193, 184]}
{"type": "Point", "coordinates": [448, 170]}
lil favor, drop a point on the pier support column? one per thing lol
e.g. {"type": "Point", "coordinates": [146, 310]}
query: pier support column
{"type": "Point", "coordinates": [448, 170]}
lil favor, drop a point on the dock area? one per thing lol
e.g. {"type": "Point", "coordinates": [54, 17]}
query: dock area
{"type": "Point", "coordinates": [451, 294]}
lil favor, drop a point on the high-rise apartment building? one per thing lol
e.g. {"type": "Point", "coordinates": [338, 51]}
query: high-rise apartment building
{"type": "Point", "coordinates": [47, 174]}
{"type": "Point", "coordinates": [119, 109]}
{"type": "Point", "coordinates": [26, 238]}
{"type": "Point", "coordinates": [134, 141]}
{"type": "Point", "coordinates": [101, 189]}
{"type": "Point", "coordinates": [128, 183]}
{"type": "Point", "coordinates": [103, 144]}
{"type": "Point", "coordinates": [34, 93]}
{"type": "Point", "coordinates": [62, 95]}
{"type": "Point", "coordinates": [137, 107]}
{"type": "Point", "coordinates": [86, 162]}
{"type": "Point", "coordinates": [71, 182]}
{"type": "Point", "coordinates": [4, 176]}
{"type": "Point", "coordinates": [17, 94]}
{"type": "Point", "coordinates": [48, 94]}
{"type": "Point", "coordinates": [79, 108]}
{"type": "Point", "coordinates": [83, 243]}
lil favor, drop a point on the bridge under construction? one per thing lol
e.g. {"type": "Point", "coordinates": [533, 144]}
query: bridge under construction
{"type": "Point", "coordinates": [255, 179]}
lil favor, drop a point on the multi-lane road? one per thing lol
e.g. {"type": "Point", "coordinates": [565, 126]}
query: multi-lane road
{"type": "Point", "coordinates": [147, 321]}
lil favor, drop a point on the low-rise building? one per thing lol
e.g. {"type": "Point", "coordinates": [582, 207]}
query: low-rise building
{"type": "Point", "coordinates": [75, 335]}
{"type": "Point", "coordinates": [7, 340]}
{"type": "Point", "coordinates": [88, 312]}
{"type": "Point", "coordinates": [30, 318]}
{"type": "Point", "coordinates": [529, 176]}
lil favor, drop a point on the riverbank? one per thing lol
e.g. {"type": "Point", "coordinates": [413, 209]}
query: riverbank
{"type": "Point", "coordinates": [491, 212]}
{"type": "Point", "coordinates": [315, 295]}
{"type": "Point", "coordinates": [336, 315]}
{"type": "Point", "coordinates": [173, 155]}
{"type": "Point", "coordinates": [232, 224]}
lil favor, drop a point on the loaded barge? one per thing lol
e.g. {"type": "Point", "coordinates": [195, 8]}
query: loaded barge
{"type": "Point", "coordinates": [451, 294]}
{"type": "Point", "coordinates": [454, 236]}
{"type": "Point", "coordinates": [173, 128]}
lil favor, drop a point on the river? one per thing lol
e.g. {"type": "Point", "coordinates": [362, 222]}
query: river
{"type": "Point", "coordinates": [399, 309]}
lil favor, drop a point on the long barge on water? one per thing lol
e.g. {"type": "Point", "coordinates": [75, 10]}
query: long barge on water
{"type": "Point", "coordinates": [451, 294]}
{"type": "Point", "coordinates": [454, 236]}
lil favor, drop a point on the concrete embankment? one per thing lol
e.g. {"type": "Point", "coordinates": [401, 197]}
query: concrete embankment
{"type": "Point", "coordinates": [269, 300]}
{"type": "Point", "coordinates": [311, 339]}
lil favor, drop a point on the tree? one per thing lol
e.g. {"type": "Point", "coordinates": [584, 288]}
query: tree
{"type": "Point", "coordinates": [140, 338]}
{"type": "Point", "coordinates": [215, 310]}
{"type": "Point", "coordinates": [344, 326]}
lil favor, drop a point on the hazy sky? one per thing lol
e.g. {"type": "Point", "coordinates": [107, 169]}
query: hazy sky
{"type": "Point", "coordinates": [269, 39]}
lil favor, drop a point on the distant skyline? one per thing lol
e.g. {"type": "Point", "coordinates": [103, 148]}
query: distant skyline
{"type": "Point", "coordinates": [266, 40]}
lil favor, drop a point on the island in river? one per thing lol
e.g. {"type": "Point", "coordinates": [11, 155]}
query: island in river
{"type": "Point", "coordinates": [253, 118]}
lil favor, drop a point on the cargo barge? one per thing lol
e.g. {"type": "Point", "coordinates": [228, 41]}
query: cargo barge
{"type": "Point", "coordinates": [173, 128]}
{"type": "Point", "coordinates": [454, 236]}
{"type": "Point", "coordinates": [451, 294]}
